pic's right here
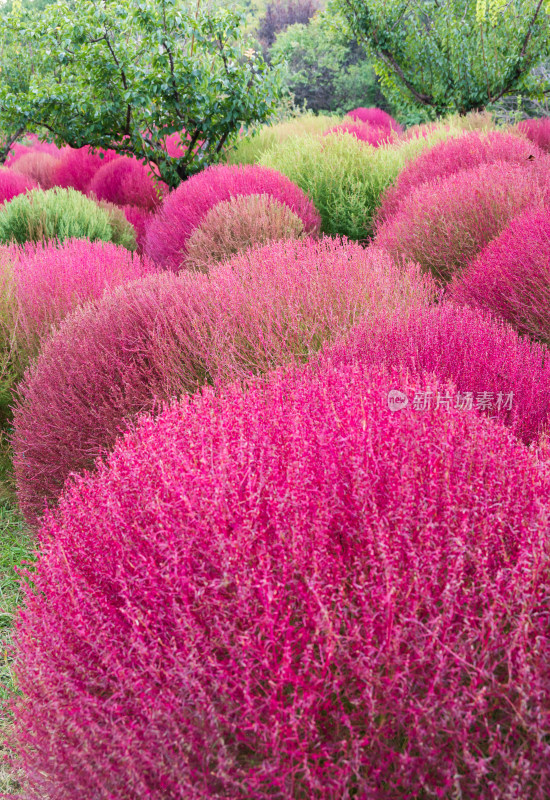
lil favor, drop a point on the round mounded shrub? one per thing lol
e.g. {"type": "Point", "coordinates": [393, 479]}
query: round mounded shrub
{"type": "Point", "coordinates": [34, 145]}
{"type": "Point", "coordinates": [449, 157]}
{"type": "Point", "coordinates": [493, 370]}
{"type": "Point", "coordinates": [13, 183]}
{"type": "Point", "coordinates": [185, 208]}
{"type": "Point", "coordinates": [139, 218]}
{"type": "Point", "coordinates": [376, 117]}
{"type": "Point", "coordinates": [444, 224]}
{"type": "Point", "coordinates": [373, 135]}
{"type": "Point", "coordinates": [126, 181]}
{"type": "Point", "coordinates": [343, 178]}
{"type": "Point", "coordinates": [38, 166]}
{"type": "Point", "coordinates": [123, 232]}
{"type": "Point", "coordinates": [292, 592]}
{"type": "Point", "coordinates": [234, 225]}
{"type": "Point", "coordinates": [511, 276]}
{"type": "Point", "coordinates": [77, 167]}
{"type": "Point", "coordinates": [170, 334]}
{"type": "Point", "coordinates": [55, 214]}
{"type": "Point", "coordinates": [537, 130]}
{"type": "Point", "coordinates": [49, 280]}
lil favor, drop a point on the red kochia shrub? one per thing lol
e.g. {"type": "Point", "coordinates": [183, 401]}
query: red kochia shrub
{"type": "Point", "coordinates": [292, 592]}
{"type": "Point", "coordinates": [375, 116]}
{"type": "Point", "coordinates": [139, 218]}
{"type": "Point", "coordinates": [451, 156]}
{"type": "Point", "coordinates": [18, 150]}
{"type": "Point", "coordinates": [14, 183]}
{"type": "Point", "coordinates": [373, 135]}
{"type": "Point", "coordinates": [511, 276]}
{"type": "Point", "coordinates": [126, 181]}
{"type": "Point", "coordinates": [506, 376]}
{"type": "Point", "coordinates": [41, 167]}
{"type": "Point", "coordinates": [166, 335]}
{"type": "Point", "coordinates": [77, 167]}
{"type": "Point", "coordinates": [538, 131]}
{"type": "Point", "coordinates": [184, 208]}
{"type": "Point", "coordinates": [51, 279]}
{"type": "Point", "coordinates": [445, 223]}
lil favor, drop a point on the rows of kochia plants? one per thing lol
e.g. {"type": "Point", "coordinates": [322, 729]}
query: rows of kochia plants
{"type": "Point", "coordinates": [253, 578]}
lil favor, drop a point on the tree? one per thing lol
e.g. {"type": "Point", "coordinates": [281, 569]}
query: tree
{"type": "Point", "coordinates": [279, 14]}
{"type": "Point", "coordinates": [451, 55]}
{"type": "Point", "coordinates": [325, 68]}
{"type": "Point", "coordinates": [125, 74]}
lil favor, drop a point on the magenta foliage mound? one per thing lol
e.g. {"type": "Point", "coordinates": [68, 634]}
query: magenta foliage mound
{"type": "Point", "coordinates": [13, 183]}
{"type": "Point", "coordinates": [77, 167]}
{"type": "Point", "coordinates": [373, 135]}
{"type": "Point", "coordinates": [511, 276]}
{"type": "Point", "coordinates": [451, 156]}
{"type": "Point", "coordinates": [41, 167]}
{"type": "Point", "coordinates": [139, 218]}
{"type": "Point", "coordinates": [126, 181]}
{"type": "Point", "coordinates": [52, 279]}
{"type": "Point", "coordinates": [19, 149]}
{"type": "Point", "coordinates": [375, 116]}
{"type": "Point", "coordinates": [444, 224]}
{"type": "Point", "coordinates": [291, 593]}
{"type": "Point", "coordinates": [538, 131]}
{"type": "Point", "coordinates": [169, 334]}
{"type": "Point", "coordinates": [184, 209]}
{"type": "Point", "coordinates": [492, 368]}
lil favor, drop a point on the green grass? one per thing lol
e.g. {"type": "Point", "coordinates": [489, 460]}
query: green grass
{"type": "Point", "coordinates": [15, 547]}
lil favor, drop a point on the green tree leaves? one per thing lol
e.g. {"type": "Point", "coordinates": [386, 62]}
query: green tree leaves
{"type": "Point", "coordinates": [451, 55]}
{"type": "Point", "coordinates": [125, 74]}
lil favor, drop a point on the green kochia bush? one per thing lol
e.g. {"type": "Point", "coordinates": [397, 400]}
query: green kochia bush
{"type": "Point", "coordinates": [56, 214]}
{"type": "Point", "coordinates": [343, 177]}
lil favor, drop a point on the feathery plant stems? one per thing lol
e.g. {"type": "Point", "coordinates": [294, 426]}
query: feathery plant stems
{"type": "Point", "coordinates": [343, 177]}
{"type": "Point", "coordinates": [166, 335]}
{"type": "Point", "coordinates": [55, 214]}
{"type": "Point", "coordinates": [292, 592]}
{"type": "Point", "coordinates": [251, 147]}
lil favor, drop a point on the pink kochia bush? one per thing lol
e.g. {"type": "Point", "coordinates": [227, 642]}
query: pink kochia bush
{"type": "Point", "coordinates": [18, 150]}
{"type": "Point", "coordinates": [445, 223]}
{"type": "Point", "coordinates": [292, 592]}
{"type": "Point", "coordinates": [370, 134]}
{"type": "Point", "coordinates": [511, 276]}
{"type": "Point", "coordinates": [537, 130]}
{"type": "Point", "coordinates": [126, 181]}
{"type": "Point", "coordinates": [13, 183]}
{"type": "Point", "coordinates": [169, 334]}
{"type": "Point", "coordinates": [77, 167]}
{"type": "Point", "coordinates": [139, 218]}
{"type": "Point", "coordinates": [375, 116]}
{"type": "Point", "coordinates": [507, 377]}
{"type": "Point", "coordinates": [40, 167]}
{"type": "Point", "coordinates": [451, 156]}
{"type": "Point", "coordinates": [184, 209]}
{"type": "Point", "coordinates": [51, 279]}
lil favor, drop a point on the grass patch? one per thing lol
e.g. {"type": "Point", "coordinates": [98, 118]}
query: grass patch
{"type": "Point", "coordinates": [15, 546]}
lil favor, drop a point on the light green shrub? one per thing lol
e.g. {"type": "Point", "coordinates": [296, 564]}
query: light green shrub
{"type": "Point", "coordinates": [56, 214]}
{"type": "Point", "coordinates": [123, 232]}
{"type": "Point", "coordinates": [345, 178]}
{"type": "Point", "coordinates": [250, 148]}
